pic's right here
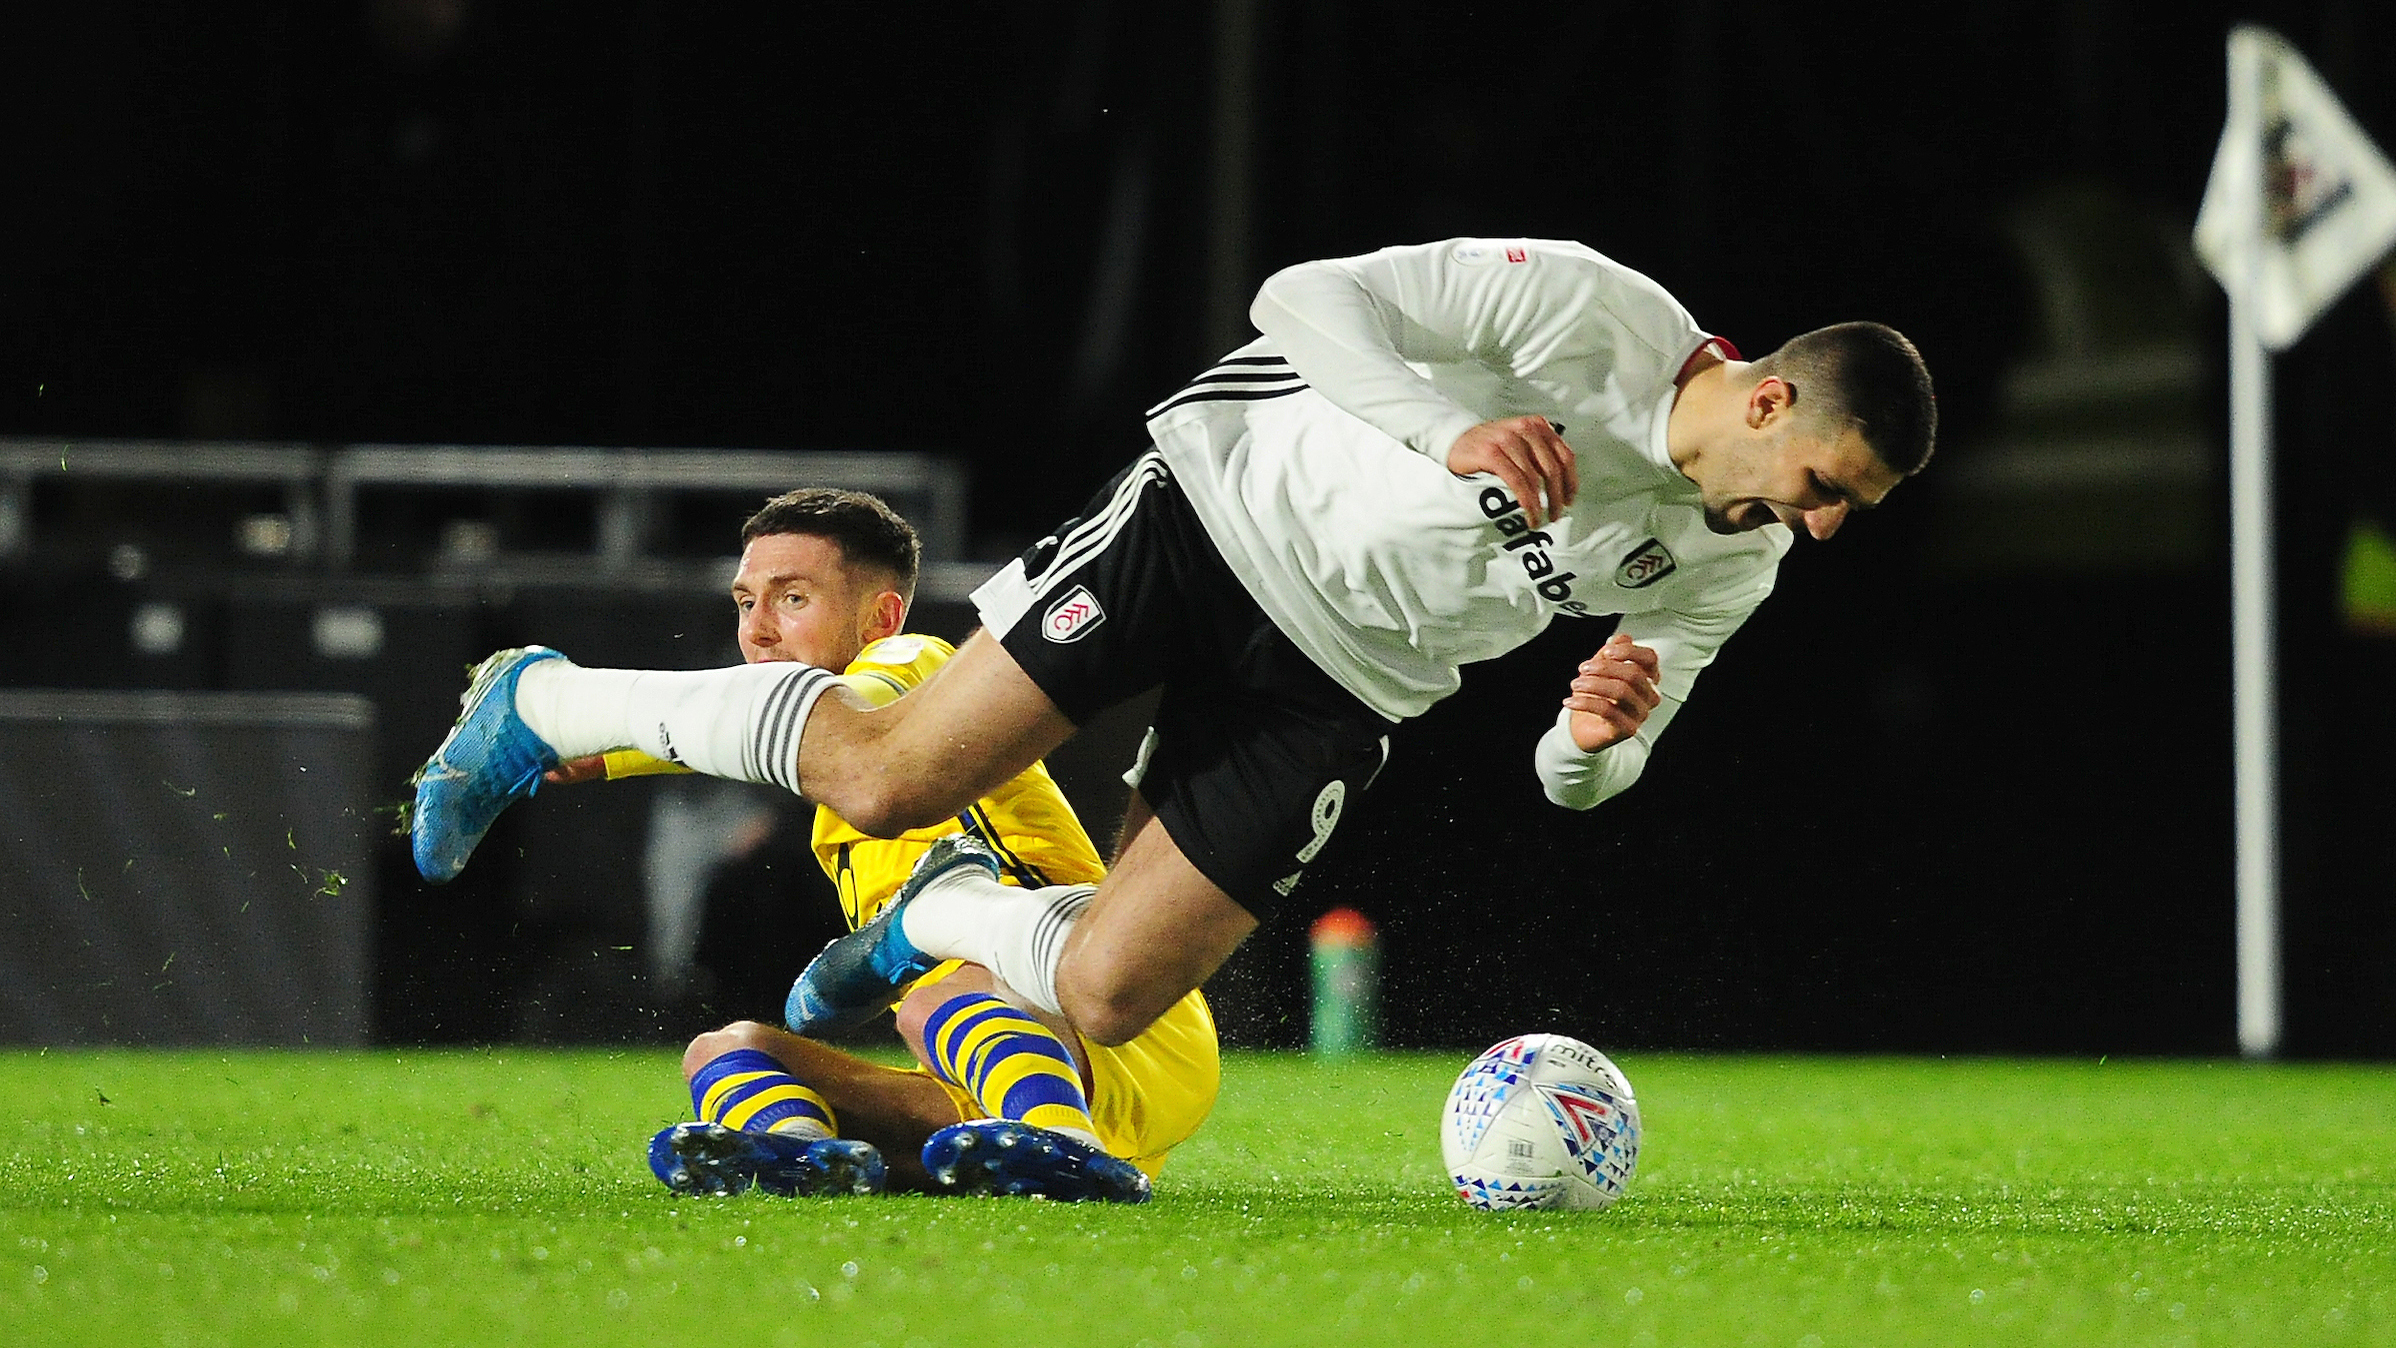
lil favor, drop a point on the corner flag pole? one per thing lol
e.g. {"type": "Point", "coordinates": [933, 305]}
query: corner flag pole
{"type": "Point", "coordinates": [2300, 204]}
{"type": "Point", "coordinates": [2254, 671]}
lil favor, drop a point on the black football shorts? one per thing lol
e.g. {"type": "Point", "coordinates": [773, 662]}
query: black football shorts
{"type": "Point", "coordinates": [1255, 752]}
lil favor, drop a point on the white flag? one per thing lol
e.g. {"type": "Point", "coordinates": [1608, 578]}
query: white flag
{"type": "Point", "coordinates": [2301, 203]}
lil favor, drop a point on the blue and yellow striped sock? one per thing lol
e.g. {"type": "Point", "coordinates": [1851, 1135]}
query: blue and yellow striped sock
{"type": "Point", "coordinates": [1012, 1064]}
{"type": "Point", "coordinates": [748, 1090]}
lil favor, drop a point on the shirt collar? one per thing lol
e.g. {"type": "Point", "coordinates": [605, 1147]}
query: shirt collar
{"type": "Point", "coordinates": [1656, 449]}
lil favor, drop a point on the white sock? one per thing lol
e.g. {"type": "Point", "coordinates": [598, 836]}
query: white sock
{"type": "Point", "coordinates": [743, 723]}
{"type": "Point", "coordinates": [575, 711]}
{"type": "Point", "coordinates": [1017, 934]}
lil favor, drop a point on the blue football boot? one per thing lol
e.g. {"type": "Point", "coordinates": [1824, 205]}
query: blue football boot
{"type": "Point", "coordinates": [1010, 1158]}
{"type": "Point", "coordinates": [707, 1159]}
{"type": "Point", "coordinates": [490, 761]}
{"type": "Point", "coordinates": [858, 974]}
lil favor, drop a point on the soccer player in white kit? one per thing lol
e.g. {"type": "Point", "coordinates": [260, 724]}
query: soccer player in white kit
{"type": "Point", "coordinates": [1431, 453]}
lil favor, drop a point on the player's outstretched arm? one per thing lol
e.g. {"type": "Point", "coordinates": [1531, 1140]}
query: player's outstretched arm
{"type": "Point", "coordinates": [1607, 726]}
{"type": "Point", "coordinates": [1634, 686]}
{"type": "Point", "coordinates": [576, 771]}
{"type": "Point", "coordinates": [609, 766]}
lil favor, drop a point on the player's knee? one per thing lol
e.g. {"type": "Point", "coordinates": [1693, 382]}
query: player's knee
{"type": "Point", "coordinates": [715, 1044]}
{"type": "Point", "coordinates": [1104, 1009]}
{"type": "Point", "coordinates": [885, 807]}
{"type": "Point", "coordinates": [869, 812]}
{"type": "Point", "coordinates": [916, 1011]}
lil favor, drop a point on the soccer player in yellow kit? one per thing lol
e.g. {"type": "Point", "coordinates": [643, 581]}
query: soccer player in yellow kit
{"type": "Point", "coordinates": [1005, 1099]}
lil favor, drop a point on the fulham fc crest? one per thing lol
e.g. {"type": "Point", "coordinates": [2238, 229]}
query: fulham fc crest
{"type": "Point", "coordinates": [1072, 617]}
{"type": "Point", "coordinates": [1648, 563]}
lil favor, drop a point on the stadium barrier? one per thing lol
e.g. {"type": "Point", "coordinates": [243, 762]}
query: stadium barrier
{"type": "Point", "coordinates": [185, 868]}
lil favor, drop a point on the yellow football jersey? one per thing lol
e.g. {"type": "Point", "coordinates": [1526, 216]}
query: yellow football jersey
{"type": "Point", "coordinates": [1027, 822]}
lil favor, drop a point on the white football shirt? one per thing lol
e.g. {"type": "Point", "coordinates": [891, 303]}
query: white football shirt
{"type": "Point", "coordinates": [1316, 458]}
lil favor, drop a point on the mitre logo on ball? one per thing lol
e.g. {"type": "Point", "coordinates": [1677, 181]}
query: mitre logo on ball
{"type": "Point", "coordinates": [1072, 617]}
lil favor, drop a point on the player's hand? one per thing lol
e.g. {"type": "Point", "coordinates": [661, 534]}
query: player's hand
{"type": "Point", "coordinates": [568, 772]}
{"type": "Point", "coordinates": [1528, 456]}
{"type": "Point", "coordinates": [1612, 694]}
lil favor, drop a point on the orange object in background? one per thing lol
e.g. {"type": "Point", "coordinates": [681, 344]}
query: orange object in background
{"type": "Point", "coordinates": [1345, 952]}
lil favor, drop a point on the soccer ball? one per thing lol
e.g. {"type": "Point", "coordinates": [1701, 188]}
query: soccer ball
{"type": "Point", "coordinates": [1540, 1121]}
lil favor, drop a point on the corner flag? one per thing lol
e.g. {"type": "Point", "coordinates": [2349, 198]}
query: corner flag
{"type": "Point", "coordinates": [2301, 203]}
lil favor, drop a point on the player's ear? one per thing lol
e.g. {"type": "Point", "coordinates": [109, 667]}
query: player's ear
{"type": "Point", "coordinates": [1771, 397]}
{"type": "Point", "coordinates": [1767, 401]}
{"type": "Point", "coordinates": [885, 616]}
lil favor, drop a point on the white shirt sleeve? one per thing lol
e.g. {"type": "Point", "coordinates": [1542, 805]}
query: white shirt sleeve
{"type": "Point", "coordinates": [1578, 780]}
{"type": "Point", "coordinates": [1350, 325]}
{"type": "Point", "coordinates": [1684, 643]}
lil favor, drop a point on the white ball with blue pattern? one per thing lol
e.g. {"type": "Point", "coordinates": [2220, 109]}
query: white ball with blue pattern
{"type": "Point", "coordinates": [1540, 1121]}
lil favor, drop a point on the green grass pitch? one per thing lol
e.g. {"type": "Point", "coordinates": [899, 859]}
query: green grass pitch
{"type": "Point", "coordinates": [500, 1197]}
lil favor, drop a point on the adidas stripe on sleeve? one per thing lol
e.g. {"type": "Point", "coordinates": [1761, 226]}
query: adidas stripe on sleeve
{"type": "Point", "coordinates": [1237, 379]}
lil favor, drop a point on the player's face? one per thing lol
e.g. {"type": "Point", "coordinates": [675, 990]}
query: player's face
{"type": "Point", "coordinates": [799, 600]}
{"type": "Point", "coordinates": [1788, 475]}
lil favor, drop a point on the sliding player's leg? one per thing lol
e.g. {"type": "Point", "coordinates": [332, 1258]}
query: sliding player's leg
{"type": "Point", "coordinates": [1025, 1073]}
{"type": "Point", "coordinates": [1038, 1050]}
{"type": "Point", "coordinates": [1107, 960]}
{"type": "Point", "coordinates": [795, 1116]}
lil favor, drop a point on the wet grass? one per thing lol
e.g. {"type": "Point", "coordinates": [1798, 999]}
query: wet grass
{"type": "Point", "coordinates": [500, 1197]}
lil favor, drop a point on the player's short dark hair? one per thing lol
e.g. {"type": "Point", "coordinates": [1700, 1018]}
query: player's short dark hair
{"type": "Point", "coordinates": [868, 531]}
{"type": "Point", "coordinates": [1864, 375]}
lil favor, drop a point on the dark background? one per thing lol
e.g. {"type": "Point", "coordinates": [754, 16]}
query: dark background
{"type": "Point", "coordinates": [1962, 785]}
